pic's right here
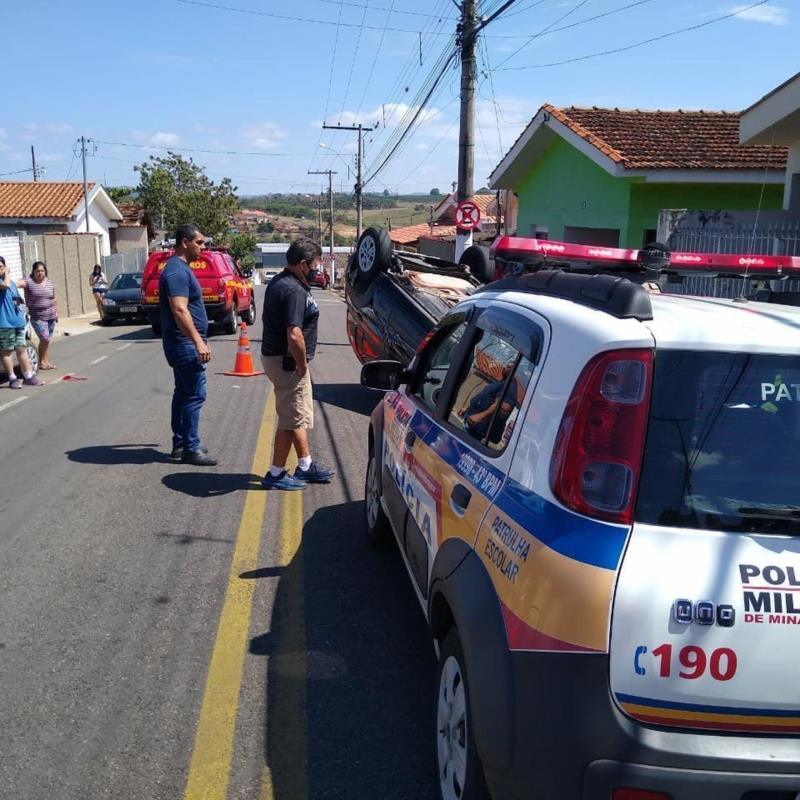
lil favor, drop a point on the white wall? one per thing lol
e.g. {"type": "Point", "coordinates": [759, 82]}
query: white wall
{"type": "Point", "coordinates": [9, 249]}
{"type": "Point", "coordinates": [98, 223]}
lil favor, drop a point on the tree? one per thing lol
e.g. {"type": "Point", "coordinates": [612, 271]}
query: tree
{"type": "Point", "coordinates": [385, 192]}
{"type": "Point", "coordinates": [433, 192]}
{"type": "Point", "coordinates": [241, 247]}
{"type": "Point", "coordinates": [117, 193]}
{"type": "Point", "coordinates": [175, 190]}
{"type": "Point", "coordinates": [265, 227]}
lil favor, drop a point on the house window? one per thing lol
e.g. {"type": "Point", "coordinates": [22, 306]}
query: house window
{"type": "Point", "coordinates": [539, 232]}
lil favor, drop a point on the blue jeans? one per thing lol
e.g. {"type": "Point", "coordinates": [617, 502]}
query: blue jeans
{"type": "Point", "coordinates": [187, 400]}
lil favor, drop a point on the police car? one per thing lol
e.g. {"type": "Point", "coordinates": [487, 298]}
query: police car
{"type": "Point", "coordinates": [594, 488]}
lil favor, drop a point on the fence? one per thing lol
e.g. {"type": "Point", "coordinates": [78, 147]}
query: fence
{"type": "Point", "coordinates": [118, 263]}
{"type": "Point", "coordinates": [730, 232]}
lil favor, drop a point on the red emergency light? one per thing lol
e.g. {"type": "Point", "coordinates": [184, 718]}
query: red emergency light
{"type": "Point", "coordinates": [542, 252]}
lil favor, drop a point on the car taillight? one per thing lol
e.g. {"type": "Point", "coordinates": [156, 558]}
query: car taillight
{"type": "Point", "coordinates": [598, 452]}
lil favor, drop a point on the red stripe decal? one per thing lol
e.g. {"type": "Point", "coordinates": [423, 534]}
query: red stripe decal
{"type": "Point", "coordinates": [522, 636]}
{"type": "Point", "coordinates": [719, 726]}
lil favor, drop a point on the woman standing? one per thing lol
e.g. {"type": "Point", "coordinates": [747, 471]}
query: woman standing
{"type": "Point", "coordinates": [40, 297]}
{"type": "Point", "coordinates": [99, 284]}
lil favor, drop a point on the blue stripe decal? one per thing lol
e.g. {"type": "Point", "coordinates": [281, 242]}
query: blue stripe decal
{"type": "Point", "coordinates": [599, 544]}
{"type": "Point", "coordinates": [747, 712]}
{"type": "Point", "coordinates": [589, 541]}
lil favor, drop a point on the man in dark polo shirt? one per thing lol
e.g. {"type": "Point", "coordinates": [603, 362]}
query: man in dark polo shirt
{"type": "Point", "coordinates": [184, 326]}
{"type": "Point", "coordinates": [288, 343]}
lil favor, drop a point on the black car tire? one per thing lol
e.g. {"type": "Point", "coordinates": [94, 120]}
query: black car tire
{"type": "Point", "coordinates": [379, 532]}
{"type": "Point", "coordinates": [231, 324]}
{"type": "Point", "coordinates": [250, 314]}
{"type": "Point", "coordinates": [451, 680]}
{"type": "Point", "coordinates": [478, 262]}
{"type": "Point", "coordinates": [373, 255]}
{"type": "Point", "coordinates": [156, 330]}
{"type": "Point", "coordinates": [106, 321]}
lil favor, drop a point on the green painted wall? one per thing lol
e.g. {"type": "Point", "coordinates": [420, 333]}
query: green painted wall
{"type": "Point", "coordinates": [565, 188]}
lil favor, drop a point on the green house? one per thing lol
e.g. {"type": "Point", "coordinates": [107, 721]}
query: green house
{"type": "Point", "coordinates": [601, 176]}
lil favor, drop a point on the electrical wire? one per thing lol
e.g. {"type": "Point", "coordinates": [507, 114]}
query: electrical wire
{"type": "Point", "coordinates": [544, 30]}
{"type": "Point", "coordinates": [391, 10]}
{"type": "Point", "coordinates": [634, 45]}
{"type": "Point", "coordinates": [494, 98]}
{"type": "Point", "coordinates": [353, 61]}
{"type": "Point", "coordinates": [16, 172]}
{"type": "Point", "coordinates": [196, 149]}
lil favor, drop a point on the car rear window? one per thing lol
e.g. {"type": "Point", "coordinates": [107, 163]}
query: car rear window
{"type": "Point", "coordinates": [723, 443]}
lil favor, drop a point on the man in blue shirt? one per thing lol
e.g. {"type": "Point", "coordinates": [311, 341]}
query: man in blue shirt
{"type": "Point", "coordinates": [12, 332]}
{"type": "Point", "coordinates": [184, 326]}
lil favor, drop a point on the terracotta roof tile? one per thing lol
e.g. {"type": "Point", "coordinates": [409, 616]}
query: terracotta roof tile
{"type": "Point", "coordinates": [29, 200]}
{"type": "Point", "coordinates": [132, 214]}
{"type": "Point", "coordinates": [411, 233]}
{"type": "Point", "coordinates": [669, 139]}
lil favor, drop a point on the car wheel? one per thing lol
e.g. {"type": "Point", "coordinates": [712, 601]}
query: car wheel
{"type": "Point", "coordinates": [231, 323]}
{"type": "Point", "coordinates": [478, 262]}
{"type": "Point", "coordinates": [33, 357]}
{"type": "Point", "coordinates": [106, 321]}
{"type": "Point", "coordinates": [373, 254]}
{"type": "Point", "coordinates": [250, 316]}
{"type": "Point", "coordinates": [378, 529]}
{"type": "Point", "coordinates": [459, 768]}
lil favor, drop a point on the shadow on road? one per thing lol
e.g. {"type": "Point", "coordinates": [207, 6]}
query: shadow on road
{"type": "Point", "coordinates": [349, 655]}
{"type": "Point", "coordinates": [349, 396]}
{"type": "Point", "coordinates": [111, 454]}
{"type": "Point", "coordinates": [143, 334]}
{"type": "Point", "coordinates": [210, 484]}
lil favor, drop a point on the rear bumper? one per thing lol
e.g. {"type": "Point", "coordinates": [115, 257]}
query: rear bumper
{"type": "Point", "coordinates": [571, 742]}
{"type": "Point", "coordinates": [215, 312]}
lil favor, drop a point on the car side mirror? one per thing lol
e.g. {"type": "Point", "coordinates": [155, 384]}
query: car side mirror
{"type": "Point", "coordinates": [385, 376]}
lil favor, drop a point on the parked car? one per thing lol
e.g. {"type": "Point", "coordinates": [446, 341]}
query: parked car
{"type": "Point", "coordinates": [594, 489]}
{"type": "Point", "coordinates": [227, 292]}
{"type": "Point", "coordinates": [123, 300]}
{"type": "Point", "coordinates": [394, 298]}
{"type": "Point", "coordinates": [320, 280]}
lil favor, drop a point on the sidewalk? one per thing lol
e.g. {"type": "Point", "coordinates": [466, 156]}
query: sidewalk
{"type": "Point", "coordinates": [72, 326]}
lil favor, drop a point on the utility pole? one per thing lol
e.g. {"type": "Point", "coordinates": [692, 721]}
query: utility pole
{"type": "Point", "coordinates": [466, 141]}
{"type": "Point", "coordinates": [83, 142]}
{"type": "Point", "coordinates": [33, 165]}
{"type": "Point", "coordinates": [330, 173]}
{"type": "Point", "coordinates": [359, 158]}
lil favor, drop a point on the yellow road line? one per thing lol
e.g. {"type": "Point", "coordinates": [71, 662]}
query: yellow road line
{"type": "Point", "coordinates": [209, 770]}
{"type": "Point", "coordinates": [287, 771]}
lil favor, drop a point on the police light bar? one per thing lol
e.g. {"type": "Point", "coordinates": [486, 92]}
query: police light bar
{"type": "Point", "coordinates": [544, 251]}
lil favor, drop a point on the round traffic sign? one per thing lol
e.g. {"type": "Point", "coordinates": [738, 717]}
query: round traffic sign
{"type": "Point", "coordinates": [468, 215]}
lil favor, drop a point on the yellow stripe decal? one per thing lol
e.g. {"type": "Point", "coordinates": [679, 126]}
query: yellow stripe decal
{"type": "Point", "coordinates": [680, 714]}
{"type": "Point", "coordinates": [209, 770]}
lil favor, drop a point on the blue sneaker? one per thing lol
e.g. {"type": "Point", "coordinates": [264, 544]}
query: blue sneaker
{"type": "Point", "coordinates": [314, 474]}
{"type": "Point", "coordinates": [283, 481]}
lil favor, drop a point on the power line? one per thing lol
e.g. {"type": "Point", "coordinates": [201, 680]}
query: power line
{"type": "Point", "coordinates": [494, 98]}
{"type": "Point", "coordinates": [634, 45]}
{"type": "Point", "coordinates": [272, 15]}
{"type": "Point", "coordinates": [391, 10]}
{"type": "Point", "coordinates": [571, 25]}
{"type": "Point", "coordinates": [196, 149]}
{"type": "Point", "coordinates": [16, 172]}
{"type": "Point", "coordinates": [544, 30]}
{"type": "Point", "coordinates": [353, 60]}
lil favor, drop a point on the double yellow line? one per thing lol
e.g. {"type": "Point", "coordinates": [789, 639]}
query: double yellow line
{"type": "Point", "coordinates": [209, 769]}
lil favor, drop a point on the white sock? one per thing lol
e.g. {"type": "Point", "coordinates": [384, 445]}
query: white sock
{"type": "Point", "coordinates": [276, 472]}
{"type": "Point", "coordinates": [27, 375]}
{"type": "Point", "coordinates": [304, 463]}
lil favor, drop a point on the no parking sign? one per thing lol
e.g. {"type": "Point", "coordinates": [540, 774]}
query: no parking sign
{"type": "Point", "coordinates": [468, 215]}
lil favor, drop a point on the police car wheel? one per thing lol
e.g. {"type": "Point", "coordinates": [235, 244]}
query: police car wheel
{"type": "Point", "coordinates": [378, 530]}
{"type": "Point", "coordinates": [250, 316]}
{"type": "Point", "coordinates": [458, 766]}
{"type": "Point", "coordinates": [478, 262]}
{"type": "Point", "coordinates": [231, 323]}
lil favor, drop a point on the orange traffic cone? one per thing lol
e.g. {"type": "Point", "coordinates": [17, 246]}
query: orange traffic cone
{"type": "Point", "coordinates": [243, 366]}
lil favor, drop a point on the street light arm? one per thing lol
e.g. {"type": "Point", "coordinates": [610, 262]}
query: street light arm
{"type": "Point", "coordinates": [494, 16]}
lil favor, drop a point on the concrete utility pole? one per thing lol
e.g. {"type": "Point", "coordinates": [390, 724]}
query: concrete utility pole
{"type": "Point", "coordinates": [33, 165]}
{"type": "Point", "coordinates": [330, 173]}
{"type": "Point", "coordinates": [85, 187]}
{"type": "Point", "coordinates": [359, 158]}
{"type": "Point", "coordinates": [466, 140]}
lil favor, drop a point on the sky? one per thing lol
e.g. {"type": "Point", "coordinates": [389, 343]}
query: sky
{"type": "Point", "coordinates": [251, 82]}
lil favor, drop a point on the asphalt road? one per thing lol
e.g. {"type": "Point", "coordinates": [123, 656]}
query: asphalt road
{"type": "Point", "coordinates": [175, 632]}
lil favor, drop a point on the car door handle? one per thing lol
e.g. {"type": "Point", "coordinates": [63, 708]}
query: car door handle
{"type": "Point", "coordinates": [459, 499]}
{"type": "Point", "coordinates": [411, 437]}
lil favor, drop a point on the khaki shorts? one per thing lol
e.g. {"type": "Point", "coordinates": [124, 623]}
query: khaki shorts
{"type": "Point", "coordinates": [293, 400]}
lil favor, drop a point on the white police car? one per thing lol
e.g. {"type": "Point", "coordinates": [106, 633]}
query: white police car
{"type": "Point", "coordinates": [596, 492]}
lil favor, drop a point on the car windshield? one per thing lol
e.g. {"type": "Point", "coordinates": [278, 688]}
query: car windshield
{"type": "Point", "coordinates": [723, 443]}
{"type": "Point", "coordinates": [127, 280]}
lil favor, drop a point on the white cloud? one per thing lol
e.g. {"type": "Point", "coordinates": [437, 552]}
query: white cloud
{"type": "Point", "coordinates": [48, 129]}
{"type": "Point", "coordinates": [264, 135]}
{"type": "Point", "coordinates": [769, 15]}
{"type": "Point", "coordinates": [164, 139]}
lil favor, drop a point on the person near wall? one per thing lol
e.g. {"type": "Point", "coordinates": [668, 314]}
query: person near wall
{"type": "Point", "coordinates": [40, 297]}
{"type": "Point", "coordinates": [184, 327]}
{"type": "Point", "coordinates": [12, 332]}
{"type": "Point", "coordinates": [99, 284]}
{"type": "Point", "coordinates": [288, 343]}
